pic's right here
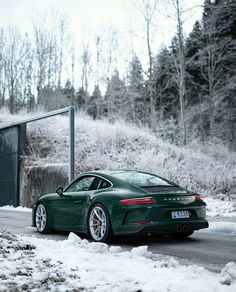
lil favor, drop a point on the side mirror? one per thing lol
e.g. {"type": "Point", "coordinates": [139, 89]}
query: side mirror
{"type": "Point", "coordinates": [59, 191]}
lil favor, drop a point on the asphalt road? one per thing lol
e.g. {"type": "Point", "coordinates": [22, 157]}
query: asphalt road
{"type": "Point", "coordinates": [210, 250]}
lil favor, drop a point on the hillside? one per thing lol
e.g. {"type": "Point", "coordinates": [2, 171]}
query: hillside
{"type": "Point", "coordinates": [210, 169]}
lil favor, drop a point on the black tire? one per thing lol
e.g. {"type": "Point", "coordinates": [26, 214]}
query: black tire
{"type": "Point", "coordinates": [182, 235]}
{"type": "Point", "coordinates": [96, 223]}
{"type": "Point", "coordinates": [41, 219]}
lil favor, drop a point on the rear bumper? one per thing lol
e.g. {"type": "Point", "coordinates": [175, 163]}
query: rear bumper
{"type": "Point", "coordinates": [168, 228]}
{"type": "Point", "coordinates": [175, 228]}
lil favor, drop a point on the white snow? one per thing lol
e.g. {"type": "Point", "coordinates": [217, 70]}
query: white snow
{"type": "Point", "coordinates": [115, 249]}
{"type": "Point", "coordinates": [228, 274]}
{"type": "Point", "coordinates": [228, 228]}
{"type": "Point", "coordinates": [32, 264]}
{"type": "Point", "coordinates": [140, 251]}
{"type": "Point", "coordinates": [219, 208]}
{"type": "Point", "coordinates": [38, 265]}
{"type": "Point", "coordinates": [18, 209]}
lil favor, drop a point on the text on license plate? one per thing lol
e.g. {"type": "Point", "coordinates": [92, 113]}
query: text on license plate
{"type": "Point", "coordinates": [179, 214]}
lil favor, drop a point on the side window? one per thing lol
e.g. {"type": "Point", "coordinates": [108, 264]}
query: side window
{"type": "Point", "coordinates": [104, 184]}
{"type": "Point", "coordinates": [82, 184]}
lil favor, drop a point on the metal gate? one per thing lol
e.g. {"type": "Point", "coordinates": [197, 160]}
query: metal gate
{"type": "Point", "coordinates": [11, 143]}
{"type": "Point", "coordinates": [12, 147]}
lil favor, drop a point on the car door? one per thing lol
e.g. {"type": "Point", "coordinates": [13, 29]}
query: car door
{"type": "Point", "coordinates": [71, 207]}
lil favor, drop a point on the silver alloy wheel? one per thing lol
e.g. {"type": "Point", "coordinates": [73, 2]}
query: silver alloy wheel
{"type": "Point", "coordinates": [97, 223]}
{"type": "Point", "coordinates": [41, 218]}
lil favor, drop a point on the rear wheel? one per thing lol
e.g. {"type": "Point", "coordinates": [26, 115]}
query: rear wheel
{"type": "Point", "coordinates": [41, 218]}
{"type": "Point", "coordinates": [99, 224]}
{"type": "Point", "coordinates": [182, 235]}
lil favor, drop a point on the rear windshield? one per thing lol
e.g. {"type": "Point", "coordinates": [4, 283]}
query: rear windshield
{"type": "Point", "coordinates": [141, 179]}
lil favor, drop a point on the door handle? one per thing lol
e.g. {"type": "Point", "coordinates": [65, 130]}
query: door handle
{"type": "Point", "coordinates": [78, 202]}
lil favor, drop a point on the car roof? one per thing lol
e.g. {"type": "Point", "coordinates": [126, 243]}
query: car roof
{"type": "Point", "coordinates": [112, 172]}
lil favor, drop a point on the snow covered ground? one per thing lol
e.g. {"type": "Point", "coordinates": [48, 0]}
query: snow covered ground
{"type": "Point", "coordinates": [218, 210]}
{"type": "Point", "coordinates": [35, 264]}
{"type": "Point", "coordinates": [17, 209]}
{"type": "Point", "coordinates": [30, 264]}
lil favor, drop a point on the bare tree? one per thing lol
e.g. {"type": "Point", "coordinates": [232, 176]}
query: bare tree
{"type": "Point", "coordinates": [85, 60]}
{"type": "Point", "coordinates": [28, 74]}
{"type": "Point", "coordinates": [214, 57]}
{"type": "Point", "coordinates": [180, 66]}
{"type": "Point", "coordinates": [112, 44]}
{"type": "Point", "coordinates": [41, 56]}
{"type": "Point", "coordinates": [2, 73]}
{"type": "Point", "coordinates": [63, 37]}
{"type": "Point", "coordinates": [98, 60]}
{"type": "Point", "coordinates": [13, 67]}
{"type": "Point", "coordinates": [148, 10]}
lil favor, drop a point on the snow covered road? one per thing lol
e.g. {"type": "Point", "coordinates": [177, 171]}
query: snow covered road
{"type": "Point", "coordinates": [212, 250]}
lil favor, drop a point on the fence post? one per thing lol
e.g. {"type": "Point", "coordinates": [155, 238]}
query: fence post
{"type": "Point", "coordinates": [71, 143]}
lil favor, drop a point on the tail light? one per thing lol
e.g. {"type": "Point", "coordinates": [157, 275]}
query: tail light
{"type": "Point", "coordinates": [138, 201]}
{"type": "Point", "coordinates": [198, 198]}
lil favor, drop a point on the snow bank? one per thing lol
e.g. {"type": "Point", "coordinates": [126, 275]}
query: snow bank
{"type": "Point", "coordinates": [140, 251]}
{"type": "Point", "coordinates": [228, 274]}
{"type": "Point", "coordinates": [18, 209]}
{"type": "Point", "coordinates": [38, 265]}
{"type": "Point", "coordinates": [219, 208]}
{"type": "Point", "coordinates": [228, 228]}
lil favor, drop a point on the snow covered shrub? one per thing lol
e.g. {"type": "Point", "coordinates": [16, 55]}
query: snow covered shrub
{"type": "Point", "coordinates": [101, 145]}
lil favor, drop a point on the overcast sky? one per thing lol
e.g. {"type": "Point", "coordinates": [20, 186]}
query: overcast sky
{"type": "Point", "coordinates": [87, 14]}
{"type": "Point", "coordinates": [89, 17]}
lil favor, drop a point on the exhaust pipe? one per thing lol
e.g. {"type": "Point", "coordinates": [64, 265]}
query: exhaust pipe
{"type": "Point", "coordinates": [181, 228]}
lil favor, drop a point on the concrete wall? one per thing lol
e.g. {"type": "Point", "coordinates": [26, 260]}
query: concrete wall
{"type": "Point", "coordinates": [36, 181]}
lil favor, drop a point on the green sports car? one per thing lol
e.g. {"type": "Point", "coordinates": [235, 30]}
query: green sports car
{"type": "Point", "coordinates": [107, 203]}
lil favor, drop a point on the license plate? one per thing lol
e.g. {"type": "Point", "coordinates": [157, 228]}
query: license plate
{"type": "Point", "coordinates": [179, 214]}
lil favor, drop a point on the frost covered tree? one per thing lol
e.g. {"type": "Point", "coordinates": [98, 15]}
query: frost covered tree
{"type": "Point", "coordinates": [27, 81]}
{"type": "Point", "coordinates": [69, 92]}
{"type": "Point", "coordinates": [180, 65]}
{"type": "Point", "coordinates": [85, 66]}
{"type": "Point", "coordinates": [116, 100]}
{"type": "Point", "coordinates": [50, 36]}
{"type": "Point", "coordinates": [138, 107]}
{"type": "Point", "coordinates": [194, 80]}
{"type": "Point", "coordinates": [2, 72]}
{"type": "Point", "coordinates": [52, 98]}
{"type": "Point", "coordinates": [148, 10]}
{"type": "Point", "coordinates": [196, 110]}
{"type": "Point", "coordinates": [217, 60]}
{"type": "Point", "coordinates": [166, 93]}
{"type": "Point", "coordinates": [81, 99]}
{"type": "Point", "coordinates": [94, 107]}
{"type": "Point", "coordinates": [13, 68]}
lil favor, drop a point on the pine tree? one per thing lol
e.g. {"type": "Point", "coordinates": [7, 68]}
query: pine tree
{"type": "Point", "coordinates": [116, 100]}
{"type": "Point", "coordinates": [167, 105]}
{"type": "Point", "coordinates": [194, 80]}
{"type": "Point", "coordinates": [81, 99]}
{"type": "Point", "coordinates": [95, 103]}
{"type": "Point", "coordinates": [136, 97]}
{"type": "Point", "coordinates": [218, 61]}
{"type": "Point", "coordinates": [69, 92]}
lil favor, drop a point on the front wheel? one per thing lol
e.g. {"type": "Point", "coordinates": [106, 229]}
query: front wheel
{"type": "Point", "coordinates": [41, 219]}
{"type": "Point", "coordinates": [99, 224]}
